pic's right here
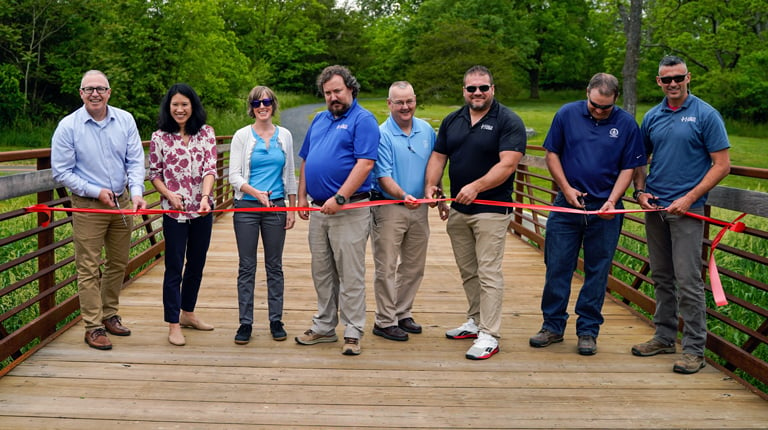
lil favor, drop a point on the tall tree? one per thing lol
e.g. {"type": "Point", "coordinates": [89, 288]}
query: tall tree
{"type": "Point", "coordinates": [632, 20]}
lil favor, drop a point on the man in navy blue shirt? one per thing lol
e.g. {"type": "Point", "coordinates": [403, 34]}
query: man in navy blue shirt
{"type": "Point", "coordinates": [592, 149]}
{"type": "Point", "coordinates": [687, 141]}
{"type": "Point", "coordinates": [338, 153]}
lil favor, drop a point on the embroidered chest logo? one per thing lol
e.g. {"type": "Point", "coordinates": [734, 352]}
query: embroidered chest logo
{"type": "Point", "coordinates": [688, 119]}
{"type": "Point", "coordinates": [488, 127]}
{"type": "Point", "coordinates": [614, 133]}
{"type": "Point", "coordinates": [342, 127]}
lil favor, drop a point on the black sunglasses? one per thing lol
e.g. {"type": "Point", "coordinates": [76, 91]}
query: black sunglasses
{"type": "Point", "coordinates": [472, 88]}
{"type": "Point", "coordinates": [257, 103]}
{"type": "Point", "coordinates": [669, 79]}
{"type": "Point", "coordinates": [597, 106]}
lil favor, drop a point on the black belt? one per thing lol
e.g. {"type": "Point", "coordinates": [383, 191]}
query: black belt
{"type": "Point", "coordinates": [93, 199]}
{"type": "Point", "coordinates": [353, 198]}
{"type": "Point", "coordinates": [375, 196]}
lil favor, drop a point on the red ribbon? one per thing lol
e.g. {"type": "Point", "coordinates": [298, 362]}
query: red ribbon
{"type": "Point", "coordinates": [714, 276]}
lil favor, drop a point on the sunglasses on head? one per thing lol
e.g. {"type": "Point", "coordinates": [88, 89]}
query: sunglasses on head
{"type": "Point", "coordinates": [257, 103]}
{"type": "Point", "coordinates": [669, 79]}
{"type": "Point", "coordinates": [597, 106]}
{"type": "Point", "coordinates": [473, 88]}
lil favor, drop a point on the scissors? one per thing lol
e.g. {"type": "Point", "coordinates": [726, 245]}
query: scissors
{"type": "Point", "coordinates": [117, 205]}
{"type": "Point", "coordinates": [580, 199]}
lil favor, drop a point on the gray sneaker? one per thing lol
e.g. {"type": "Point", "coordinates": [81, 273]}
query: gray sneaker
{"type": "Point", "coordinates": [653, 347]}
{"type": "Point", "coordinates": [544, 338]}
{"type": "Point", "coordinates": [310, 338]}
{"type": "Point", "coordinates": [688, 364]}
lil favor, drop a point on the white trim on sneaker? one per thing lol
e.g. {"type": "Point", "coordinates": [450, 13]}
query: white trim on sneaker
{"type": "Point", "coordinates": [484, 347]}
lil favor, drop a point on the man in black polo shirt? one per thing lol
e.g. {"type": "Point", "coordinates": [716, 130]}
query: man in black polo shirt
{"type": "Point", "coordinates": [484, 142]}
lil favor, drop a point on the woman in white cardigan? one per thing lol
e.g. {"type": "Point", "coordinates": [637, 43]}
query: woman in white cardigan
{"type": "Point", "coordinates": [261, 171]}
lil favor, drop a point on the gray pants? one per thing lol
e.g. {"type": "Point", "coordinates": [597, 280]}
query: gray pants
{"type": "Point", "coordinates": [674, 246]}
{"type": "Point", "coordinates": [337, 243]}
{"type": "Point", "coordinates": [248, 225]}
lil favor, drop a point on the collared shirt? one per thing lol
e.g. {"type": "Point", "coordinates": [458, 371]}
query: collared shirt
{"type": "Point", "coordinates": [404, 157]}
{"type": "Point", "coordinates": [680, 142]}
{"type": "Point", "coordinates": [182, 167]}
{"type": "Point", "coordinates": [332, 147]}
{"type": "Point", "coordinates": [474, 149]}
{"type": "Point", "coordinates": [88, 155]}
{"type": "Point", "coordinates": [593, 153]}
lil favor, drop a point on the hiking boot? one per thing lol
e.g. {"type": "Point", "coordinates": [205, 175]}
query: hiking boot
{"type": "Point", "coordinates": [544, 338]}
{"type": "Point", "coordinates": [310, 338]}
{"type": "Point", "coordinates": [587, 345]}
{"type": "Point", "coordinates": [483, 347]}
{"type": "Point", "coordinates": [688, 364]}
{"type": "Point", "coordinates": [653, 347]}
{"type": "Point", "coordinates": [276, 328]}
{"type": "Point", "coordinates": [243, 335]}
{"type": "Point", "coordinates": [468, 330]}
{"type": "Point", "coordinates": [351, 346]}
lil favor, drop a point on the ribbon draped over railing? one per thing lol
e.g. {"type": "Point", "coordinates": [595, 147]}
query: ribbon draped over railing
{"type": "Point", "coordinates": [714, 276]}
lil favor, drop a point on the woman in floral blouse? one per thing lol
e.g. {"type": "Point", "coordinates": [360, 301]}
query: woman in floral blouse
{"type": "Point", "coordinates": [261, 172]}
{"type": "Point", "coordinates": [182, 167]}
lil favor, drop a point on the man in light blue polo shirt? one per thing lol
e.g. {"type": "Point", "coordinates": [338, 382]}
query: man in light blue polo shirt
{"type": "Point", "coordinates": [400, 231]}
{"type": "Point", "coordinates": [688, 145]}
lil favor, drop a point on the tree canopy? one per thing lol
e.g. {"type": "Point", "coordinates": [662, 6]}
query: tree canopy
{"type": "Point", "coordinates": [225, 47]}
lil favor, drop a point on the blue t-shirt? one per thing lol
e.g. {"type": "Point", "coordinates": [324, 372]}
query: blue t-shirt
{"type": "Point", "coordinates": [332, 147]}
{"type": "Point", "coordinates": [593, 153]}
{"type": "Point", "coordinates": [680, 143]}
{"type": "Point", "coordinates": [474, 149]}
{"type": "Point", "coordinates": [404, 157]}
{"type": "Point", "coordinates": [267, 167]}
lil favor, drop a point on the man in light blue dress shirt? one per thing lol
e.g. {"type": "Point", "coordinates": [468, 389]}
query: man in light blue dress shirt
{"type": "Point", "coordinates": [96, 152]}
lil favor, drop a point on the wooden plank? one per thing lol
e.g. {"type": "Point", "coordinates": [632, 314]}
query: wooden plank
{"type": "Point", "coordinates": [144, 382]}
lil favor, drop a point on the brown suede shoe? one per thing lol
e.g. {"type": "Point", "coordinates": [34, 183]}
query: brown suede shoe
{"type": "Point", "coordinates": [97, 338]}
{"type": "Point", "coordinates": [115, 326]}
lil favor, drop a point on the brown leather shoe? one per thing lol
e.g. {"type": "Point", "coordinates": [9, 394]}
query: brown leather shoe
{"type": "Point", "coordinates": [115, 326]}
{"type": "Point", "coordinates": [392, 332]}
{"type": "Point", "coordinates": [97, 338]}
{"type": "Point", "coordinates": [409, 325]}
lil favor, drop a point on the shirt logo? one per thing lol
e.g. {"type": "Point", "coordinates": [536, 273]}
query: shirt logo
{"type": "Point", "coordinates": [488, 127]}
{"type": "Point", "coordinates": [342, 127]}
{"type": "Point", "coordinates": [614, 133]}
{"type": "Point", "coordinates": [688, 119]}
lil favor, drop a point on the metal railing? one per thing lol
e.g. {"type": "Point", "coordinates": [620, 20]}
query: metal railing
{"type": "Point", "coordinates": [39, 278]}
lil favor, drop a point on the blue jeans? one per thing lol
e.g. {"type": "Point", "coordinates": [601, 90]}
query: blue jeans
{"type": "Point", "coordinates": [248, 226]}
{"type": "Point", "coordinates": [564, 237]}
{"type": "Point", "coordinates": [184, 239]}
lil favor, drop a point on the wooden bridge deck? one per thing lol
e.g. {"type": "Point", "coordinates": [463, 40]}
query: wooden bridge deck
{"type": "Point", "coordinates": [144, 382]}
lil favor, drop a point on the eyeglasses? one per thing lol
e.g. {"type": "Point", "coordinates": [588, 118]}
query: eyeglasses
{"type": "Point", "coordinates": [668, 79]}
{"type": "Point", "coordinates": [90, 90]}
{"type": "Point", "coordinates": [597, 106]}
{"type": "Point", "coordinates": [400, 103]}
{"type": "Point", "coordinates": [257, 103]}
{"type": "Point", "coordinates": [473, 88]}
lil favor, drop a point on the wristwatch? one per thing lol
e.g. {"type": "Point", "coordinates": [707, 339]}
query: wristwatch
{"type": "Point", "coordinates": [340, 199]}
{"type": "Point", "coordinates": [637, 193]}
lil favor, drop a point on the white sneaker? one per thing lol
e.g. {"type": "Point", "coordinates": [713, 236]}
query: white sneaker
{"type": "Point", "coordinates": [484, 347]}
{"type": "Point", "coordinates": [468, 330]}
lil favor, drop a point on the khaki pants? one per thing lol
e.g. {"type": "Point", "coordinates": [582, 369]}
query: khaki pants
{"type": "Point", "coordinates": [100, 290]}
{"type": "Point", "coordinates": [478, 246]}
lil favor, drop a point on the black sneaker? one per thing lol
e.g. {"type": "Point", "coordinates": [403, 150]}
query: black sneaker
{"type": "Point", "coordinates": [243, 335]}
{"type": "Point", "coordinates": [278, 333]}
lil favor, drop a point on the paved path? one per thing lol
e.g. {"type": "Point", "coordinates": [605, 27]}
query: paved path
{"type": "Point", "coordinates": [297, 120]}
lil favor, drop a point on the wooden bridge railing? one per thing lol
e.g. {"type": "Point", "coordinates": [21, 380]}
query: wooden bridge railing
{"type": "Point", "coordinates": [37, 275]}
{"type": "Point", "coordinates": [38, 292]}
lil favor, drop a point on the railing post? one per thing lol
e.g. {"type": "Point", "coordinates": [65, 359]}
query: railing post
{"type": "Point", "coordinates": [45, 238]}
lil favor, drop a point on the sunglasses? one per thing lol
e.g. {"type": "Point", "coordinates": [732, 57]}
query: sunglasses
{"type": "Point", "coordinates": [257, 103]}
{"type": "Point", "coordinates": [597, 106]}
{"type": "Point", "coordinates": [669, 79]}
{"type": "Point", "coordinates": [482, 88]}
